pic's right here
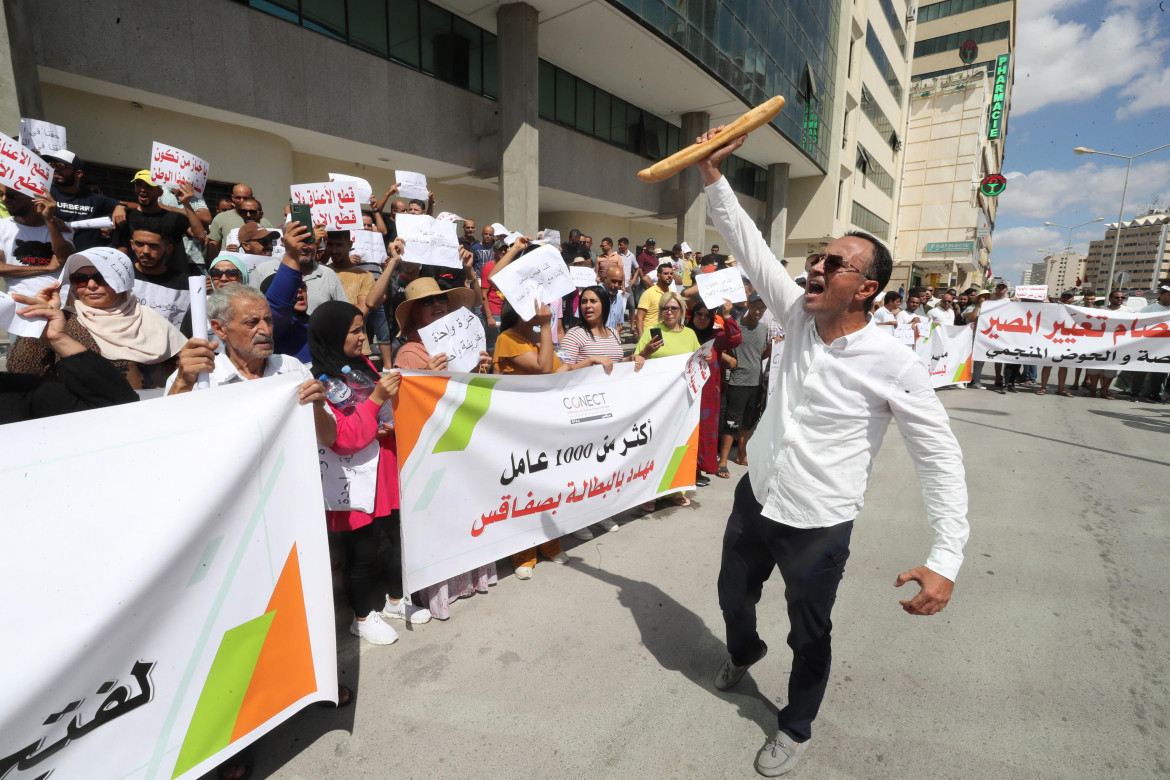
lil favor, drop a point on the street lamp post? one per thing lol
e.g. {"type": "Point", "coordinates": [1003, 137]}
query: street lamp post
{"type": "Point", "coordinates": [1071, 229]}
{"type": "Point", "coordinates": [1121, 212]}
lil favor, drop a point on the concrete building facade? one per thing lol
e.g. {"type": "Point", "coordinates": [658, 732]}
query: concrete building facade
{"type": "Point", "coordinates": [960, 99]}
{"type": "Point", "coordinates": [1064, 271]}
{"type": "Point", "coordinates": [1141, 253]}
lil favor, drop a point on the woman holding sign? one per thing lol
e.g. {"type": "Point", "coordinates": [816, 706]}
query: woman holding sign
{"type": "Point", "coordinates": [361, 476]}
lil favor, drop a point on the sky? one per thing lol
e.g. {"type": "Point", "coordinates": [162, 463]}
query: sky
{"type": "Point", "coordinates": [1087, 73]}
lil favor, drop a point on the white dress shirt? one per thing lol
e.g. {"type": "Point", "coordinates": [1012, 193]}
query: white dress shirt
{"type": "Point", "coordinates": [226, 373]}
{"type": "Point", "coordinates": [813, 449]}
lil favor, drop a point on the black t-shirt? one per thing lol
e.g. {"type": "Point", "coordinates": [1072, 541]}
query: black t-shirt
{"type": "Point", "coordinates": [166, 223]}
{"type": "Point", "coordinates": [84, 205]}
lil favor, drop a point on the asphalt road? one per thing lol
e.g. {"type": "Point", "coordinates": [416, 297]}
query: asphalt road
{"type": "Point", "coordinates": [1050, 661]}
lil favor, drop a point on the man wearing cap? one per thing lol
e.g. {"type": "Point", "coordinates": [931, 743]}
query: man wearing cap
{"type": "Point", "coordinates": [153, 217]}
{"type": "Point", "coordinates": [227, 221]}
{"type": "Point", "coordinates": [840, 384]}
{"type": "Point", "coordinates": [75, 202]}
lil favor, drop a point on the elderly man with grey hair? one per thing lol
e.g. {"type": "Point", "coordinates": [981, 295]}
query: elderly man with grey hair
{"type": "Point", "coordinates": [242, 321]}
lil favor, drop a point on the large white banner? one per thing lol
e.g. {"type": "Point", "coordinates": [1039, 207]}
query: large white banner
{"type": "Point", "coordinates": [1055, 334]}
{"type": "Point", "coordinates": [167, 590]}
{"type": "Point", "coordinates": [492, 465]}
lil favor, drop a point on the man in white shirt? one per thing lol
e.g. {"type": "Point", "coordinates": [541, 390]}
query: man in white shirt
{"type": "Point", "coordinates": [887, 313]}
{"type": "Point", "coordinates": [810, 459]}
{"type": "Point", "coordinates": [944, 312]}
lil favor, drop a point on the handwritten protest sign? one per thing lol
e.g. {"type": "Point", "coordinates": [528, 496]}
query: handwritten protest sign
{"type": "Point", "coordinates": [15, 324]}
{"type": "Point", "coordinates": [201, 633]}
{"type": "Point", "coordinates": [583, 275]}
{"type": "Point", "coordinates": [449, 216]}
{"type": "Point", "coordinates": [170, 303]}
{"type": "Point", "coordinates": [412, 186]}
{"type": "Point", "coordinates": [698, 369]}
{"type": "Point", "coordinates": [370, 245]}
{"type": "Point", "coordinates": [540, 276]}
{"type": "Point", "coordinates": [361, 187]}
{"type": "Point", "coordinates": [334, 205]}
{"type": "Point", "coordinates": [41, 136]}
{"type": "Point", "coordinates": [459, 336]}
{"type": "Point", "coordinates": [1055, 334]}
{"type": "Point", "coordinates": [22, 169]}
{"type": "Point", "coordinates": [428, 241]}
{"type": "Point", "coordinates": [540, 457]}
{"type": "Point", "coordinates": [717, 286]}
{"type": "Point", "coordinates": [686, 248]}
{"type": "Point", "coordinates": [1032, 292]}
{"type": "Point", "coordinates": [171, 167]}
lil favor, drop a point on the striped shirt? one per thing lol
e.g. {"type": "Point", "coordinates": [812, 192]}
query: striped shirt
{"type": "Point", "coordinates": [578, 345]}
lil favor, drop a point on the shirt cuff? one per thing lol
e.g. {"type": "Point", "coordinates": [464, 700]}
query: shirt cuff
{"type": "Point", "coordinates": [945, 563]}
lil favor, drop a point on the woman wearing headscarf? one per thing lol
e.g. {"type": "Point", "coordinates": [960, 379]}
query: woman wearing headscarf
{"type": "Point", "coordinates": [105, 317]}
{"type": "Point", "coordinates": [336, 337]}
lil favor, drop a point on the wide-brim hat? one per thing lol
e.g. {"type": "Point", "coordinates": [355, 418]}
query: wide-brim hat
{"type": "Point", "coordinates": [425, 287]}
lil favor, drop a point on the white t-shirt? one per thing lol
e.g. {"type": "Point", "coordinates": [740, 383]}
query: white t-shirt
{"type": "Point", "coordinates": [883, 316]}
{"type": "Point", "coordinates": [906, 318]}
{"type": "Point", "coordinates": [942, 317]}
{"type": "Point", "coordinates": [24, 245]}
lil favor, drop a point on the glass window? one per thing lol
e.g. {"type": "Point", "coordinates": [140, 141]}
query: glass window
{"type": "Point", "coordinates": [566, 98]}
{"type": "Point", "coordinates": [367, 25]}
{"type": "Point", "coordinates": [617, 121]}
{"type": "Point", "coordinates": [324, 16]}
{"type": "Point", "coordinates": [585, 106]}
{"type": "Point", "coordinates": [433, 23]}
{"type": "Point", "coordinates": [284, 9]}
{"type": "Point", "coordinates": [467, 32]}
{"type": "Point", "coordinates": [601, 115]}
{"type": "Point", "coordinates": [404, 43]}
{"type": "Point", "coordinates": [490, 66]}
{"type": "Point", "coordinates": [548, 91]}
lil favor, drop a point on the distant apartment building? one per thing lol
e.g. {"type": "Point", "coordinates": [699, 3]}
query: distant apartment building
{"type": "Point", "coordinates": [1141, 253]}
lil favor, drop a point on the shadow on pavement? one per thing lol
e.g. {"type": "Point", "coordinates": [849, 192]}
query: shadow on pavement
{"type": "Point", "coordinates": [996, 412]}
{"type": "Point", "coordinates": [1157, 420]}
{"type": "Point", "coordinates": [680, 641]}
{"type": "Point", "coordinates": [1065, 441]}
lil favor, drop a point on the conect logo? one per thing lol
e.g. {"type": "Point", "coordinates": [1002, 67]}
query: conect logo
{"type": "Point", "coordinates": [586, 407]}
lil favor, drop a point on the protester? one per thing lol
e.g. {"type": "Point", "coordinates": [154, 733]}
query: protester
{"type": "Point", "coordinates": [971, 316]}
{"type": "Point", "coordinates": [106, 318]}
{"type": "Point", "coordinates": [886, 315]}
{"type": "Point", "coordinates": [608, 259]}
{"type": "Point", "coordinates": [228, 268]}
{"type": "Point", "coordinates": [160, 276]}
{"type": "Point", "coordinates": [227, 221]}
{"type": "Point", "coordinates": [725, 334]}
{"type": "Point", "coordinates": [649, 303]}
{"type": "Point", "coordinates": [744, 389]}
{"type": "Point", "coordinates": [322, 283]}
{"type": "Point", "coordinates": [34, 242]}
{"type": "Point", "coordinates": [149, 215]}
{"type": "Point", "coordinates": [647, 263]}
{"type": "Point", "coordinates": [1061, 376]}
{"type": "Point", "coordinates": [1148, 385]}
{"type": "Point", "coordinates": [336, 340]}
{"type": "Point", "coordinates": [943, 312]}
{"type": "Point", "coordinates": [614, 282]}
{"type": "Point", "coordinates": [84, 379]}
{"type": "Point", "coordinates": [840, 382]}
{"type": "Point", "coordinates": [75, 202]}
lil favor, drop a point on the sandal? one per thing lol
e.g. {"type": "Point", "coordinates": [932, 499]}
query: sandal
{"type": "Point", "coordinates": [649, 506]}
{"type": "Point", "coordinates": [680, 500]}
{"type": "Point", "coordinates": [1106, 397]}
{"type": "Point", "coordinates": [344, 699]}
{"type": "Point", "coordinates": [1042, 391]}
{"type": "Point", "coordinates": [1064, 393]}
{"type": "Point", "coordinates": [723, 473]}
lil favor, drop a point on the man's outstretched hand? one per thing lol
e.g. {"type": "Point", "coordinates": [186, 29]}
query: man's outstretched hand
{"type": "Point", "coordinates": [709, 166]}
{"type": "Point", "coordinates": [935, 593]}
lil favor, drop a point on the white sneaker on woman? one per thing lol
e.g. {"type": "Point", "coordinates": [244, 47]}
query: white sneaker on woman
{"type": "Point", "coordinates": [608, 524]}
{"type": "Point", "coordinates": [584, 534]}
{"type": "Point", "coordinates": [405, 611]}
{"type": "Point", "coordinates": [374, 630]}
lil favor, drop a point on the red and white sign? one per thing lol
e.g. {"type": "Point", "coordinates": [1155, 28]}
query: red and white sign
{"type": "Point", "coordinates": [22, 170]}
{"type": "Point", "coordinates": [171, 167]}
{"type": "Point", "coordinates": [335, 205]}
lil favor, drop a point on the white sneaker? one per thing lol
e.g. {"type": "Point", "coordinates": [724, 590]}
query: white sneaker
{"type": "Point", "coordinates": [406, 611]}
{"type": "Point", "coordinates": [523, 572]}
{"type": "Point", "coordinates": [560, 558]}
{"type": "Point", "coordinates": [584, 534]}
{"type": "Point", "coordinates": [374, 630]}
{"type": "Point", "coordinates": [609, 525]}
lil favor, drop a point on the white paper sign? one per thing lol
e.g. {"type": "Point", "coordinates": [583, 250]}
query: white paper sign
{"type": "Point", "coordinates": [197, 288]}
{"type": "Point", "coordinates": [774, 364]}
{"type": "Point", "coordinates": [698, 369]}
{"type": "Point", "coordinates": [22, 170]}
{"type": "Point", "coordinates": [1032, 292]}
{"type": "Point", "coordinates": [428, 241]}
{"type": "Point", "coordinates": [537, 276]}
{"type": "Point", "coordinates": [583, 275]}
{"type": "Point", "coordinates": [716, 286]}
{"type": "Point", "coordinates": [686, 248]}
{"type": "Point", "coordinates": [361, 187]}
{"type": "Point", "coordinates": [171, 166]}
{"type": "Point", "coordinates": [251, 261]}
{"type": "Point", "coordinates": [349, 482]}
{"type": "Point", "coordinates": [551, 237]}
{"type": "Point", "coordinates": [412, 186]}
{"type": "Point", "coordinates": [42, 136]}
{"type": "Point", "coordinates": [459, 336]}
{"type": "Point", "coordinates": [97, 223]}
{"type": "Point", "coordinates": [15, 324]}
{"type": "Point", "coordinates": [334, 206]}
{"type": "Point", "coordinates": [370, 245]}
{"type": "Point", "coordinates": [449, 216]}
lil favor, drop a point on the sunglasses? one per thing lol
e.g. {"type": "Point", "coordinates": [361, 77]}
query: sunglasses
{"type": "Point", "coordinates": [231, 273]}
{"type": "Point", "coordinates": [78, 279]}
{"type": "Point", "coordinates": [834, 264]}
{"type": "Point", "coordinates": [431, 300]}
{"type": "Point", "coordinates": [670, 308]}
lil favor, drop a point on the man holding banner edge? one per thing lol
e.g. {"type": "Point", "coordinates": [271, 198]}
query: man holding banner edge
{"type": "Point", "coordinates": [840, 382]}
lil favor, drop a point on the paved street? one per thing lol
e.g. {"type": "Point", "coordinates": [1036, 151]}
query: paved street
{"type": "Point", "coordinates": [1049, 663]}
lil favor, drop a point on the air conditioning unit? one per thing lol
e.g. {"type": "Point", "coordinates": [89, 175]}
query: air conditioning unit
{"type": "Point", "coordinates": [911, 13]}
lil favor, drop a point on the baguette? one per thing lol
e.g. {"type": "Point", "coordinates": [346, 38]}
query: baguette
{"type": "Point", "coordinates": [758, 116]}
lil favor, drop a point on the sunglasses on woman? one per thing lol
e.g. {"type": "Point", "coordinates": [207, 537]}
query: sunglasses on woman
{"type": "Point", "coordinates": [834, 264]}
{"type": "Point", "coordinates": [230, 273]}
{"type": "Point", "coordinates": [431, 300]}
{"type": "Point", "coordinates": [78, 279]}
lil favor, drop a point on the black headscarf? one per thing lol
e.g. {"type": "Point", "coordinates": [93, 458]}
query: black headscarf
{"type": "Point", "coordinates": [328, 327]}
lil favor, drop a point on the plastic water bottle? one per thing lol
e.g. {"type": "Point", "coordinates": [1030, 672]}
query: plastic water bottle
{"type": "Point", "coordinates": [338, 393]}
{"type": "Point", "coordinates": [361, 384]}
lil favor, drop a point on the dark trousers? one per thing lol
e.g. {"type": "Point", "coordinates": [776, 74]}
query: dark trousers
{"type": "Point", "coordinates": [368, 566]}
{"type": "Point", "coordinates": [811, 562]}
